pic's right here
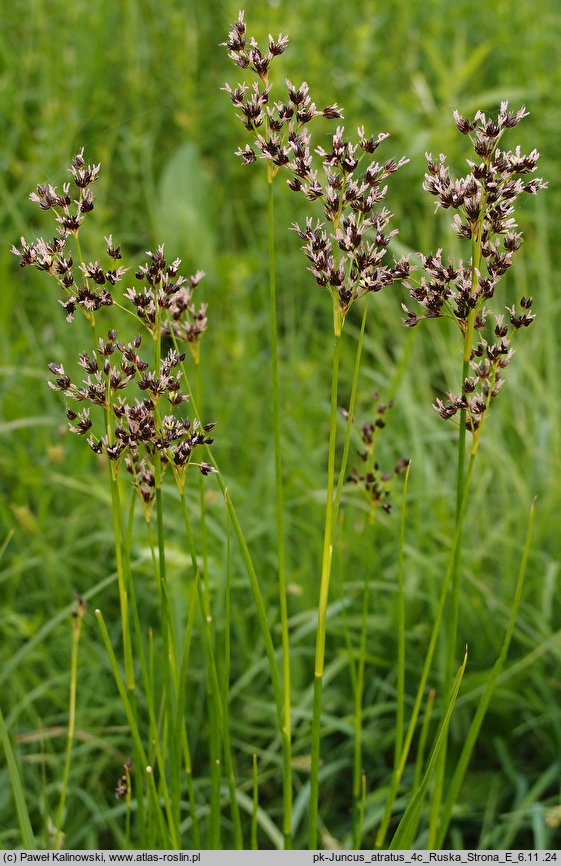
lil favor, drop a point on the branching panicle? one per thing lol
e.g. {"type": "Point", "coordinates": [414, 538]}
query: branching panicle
{"type": "Point", "coordinates": [138, 432]}
{"type": "Point", "coordinates": [350, 260]}
{"type": "Point", "coordinates": [484, 201]}
{"type": "Point", "coordinates": [273, 124]}
{"type": "Point", "coordinates": [84, 285]}
{"type": "Point", "coordinates": [373, 482]}
{"type": "Point", "coordinates": [132, 429]}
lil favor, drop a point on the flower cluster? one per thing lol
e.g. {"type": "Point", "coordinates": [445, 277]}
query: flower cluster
{"type": "Point", "coordinates": [166, 290]}
{"type": "Point", "coordinates": [484, 201]}
{"type": "Point", "coordinates": [488, 358]}
{"type": "Point", "coordinates": [186, 322]}
{"type": "Point", "coordinates": [87, 285]}
{"type": "Point", "coordinates": [135, 427]}
{"type": "Point", "coordinates": [349, 260]}
{"type": "Point", "coordinates": [374, 482]}
{"type": "Point", "coordinates": [275, 125]}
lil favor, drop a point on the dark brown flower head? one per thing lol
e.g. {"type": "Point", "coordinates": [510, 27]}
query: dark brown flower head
{"type": "Point", "coordinates": [113, 251]}
{"type": "Point", "coordinates": [80, 286]}
{"type": "Point", "coordinates": [484, 201]}
{"type": "Point", "coordinates": [272, 124]}
{"type": "Point", "coordinates": [252, 56]}
{"type": "Point", "coordinates": [350, 259]}
{"type": "Point", "coordinates": [374, 483]}
{"type": "Point", "coordinates": [128, 429]}
{"type": "Point", "coordinates": [82, 174]}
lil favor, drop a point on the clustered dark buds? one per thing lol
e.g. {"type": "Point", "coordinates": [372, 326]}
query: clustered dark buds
{"type": "Point", "coordinates": [349, 260]}
{"type": "Point", "coordinates": [251, 56]}
{"type": "Point", "coordinates": [489, 358]}
{"type": "Point", "coordinates": [375, 483]}
{"type": "Point", "coordinates": [136, 430]}
{"type": "Point", "coordinates": [273, 124]}
{"type": "Point", "coordinates": [163, 290]}
{"type": "Point", "coordinates": [485, 203]}
{"type": "Point", "coordinates": [85, 286]}
{"type": "Point", "coordinates": [188, 321]}
{"type": "Point", "coordinates": [123, 788]}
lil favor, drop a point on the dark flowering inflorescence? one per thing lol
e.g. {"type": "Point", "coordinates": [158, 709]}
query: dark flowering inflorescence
{"type": "Point", "coordinates": [488, 359]}
{"type": "Point", "coordinates": [375, 483]}
{"type": "Point", "coordinates": [136, 427]}
{"type": "Point", "coordinates": [350, 259]}
{"type": "Point", "coordinates": [86, 285]}
{"type": "Point", "coordinates": [484, 201]}
{"type": "Point", "coordinates": [274, 124]}
{"type": "Point", "coordinates": [166, 297]}
{"type": "Point", "coordinates": [123, 786]}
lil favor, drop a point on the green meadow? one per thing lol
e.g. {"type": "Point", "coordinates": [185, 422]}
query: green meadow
{"type": "Point", "coordinates": [138, 84]}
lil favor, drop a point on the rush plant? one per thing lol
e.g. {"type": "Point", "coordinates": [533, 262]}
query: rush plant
{"type": "Point", "coordinates": [133, 393]}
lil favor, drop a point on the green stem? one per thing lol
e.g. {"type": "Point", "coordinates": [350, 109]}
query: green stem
{"type": "Point", "coordinates": [322, 606]}
{"type": "Point", "coordinates": [423, 737]}
{"type": "Point", "coordinates": [180, 723]}
{"type": "Point", "coordinates": [400, 703]}
{"type": "Point", "coordinates": [473, 732]}
{"type": "Point", "coordinates": [398, 771]}
{"type": "Point", "coordinates": [407, 829]}
{"type": "Point", "coordinates": [349, 427]}
{"type": "Point", "coordinates": [141, 759]}
{"type": "Point", "coordinates": [279, 512]}
{"type": "Point", "coordinates": [214, 684]}
{"type": "Point", "coordinates": [76, 628]}
{"type": "Point", "coordinates": [476, 252]}
{"type": "Point", "coordinates": [254, 804]}
{"type": "Point", "coordinates": [359, 778]}
{"type": "Point", "coordinates": [121, 578]}
{"type": "Point", "coordinates": [261, 610]}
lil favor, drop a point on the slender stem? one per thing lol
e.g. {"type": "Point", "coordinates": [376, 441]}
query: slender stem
{"type": "Point", "coordinates": [400, 703]}
{"type": "Point", "coordinates": [407, 827]}
{"type": "Point", "coordinates": [76, 627]}
{"type": "Point", "coordinates": [476, 252]}
{"type": "Point", "coordinates": [455, 785]}
{"type": "Point", "coordinates": [359, 778]}
{"type": "Point", "coordinates": [141, 758]}
{"type": "Point", "coordinates": [255, 804]}
{"type": "Point", "coordinates": [261, 610]}
{"type": "Point", "coordinates": [398, 772]}
{"type": "Point", "coordinates": [423, 737]}
{"type": "Point", "coordinates": [121, 579]}
{"type": "Point", "coordinates": [349, 427]}
{"type": "Point", "coordinates": [214, 685]}
{"type": "Point", "coordinates": [323, 599]}
{"type": "Point", "coordinates": [180, 722]}
{"type": "Point", "coordinates": [279, 512]}
{"type": "Point", "coordinates": [202, 504]}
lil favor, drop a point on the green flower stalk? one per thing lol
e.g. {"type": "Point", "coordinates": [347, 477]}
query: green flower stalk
{"type": "Point", "coordinates": [273, 127]}
{"type": "Point", "coordinates": [349, 260]}
{"type": "Point", "coordinates": [484, 201]}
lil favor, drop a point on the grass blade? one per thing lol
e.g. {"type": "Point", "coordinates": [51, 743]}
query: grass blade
{"type": "Point", "coordinates": [473, 733]}
{"type": "Point", "coordinates": [407, 827]}
{"type": "Point", "coordinates": [17, 789]}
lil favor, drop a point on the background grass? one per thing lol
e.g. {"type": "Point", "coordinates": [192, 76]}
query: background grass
{"type": "Point", "coordinates": [138, 84]}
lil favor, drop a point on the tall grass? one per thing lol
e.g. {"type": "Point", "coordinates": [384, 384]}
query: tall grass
{"type": "Point", "coordinates": [56, 499]}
